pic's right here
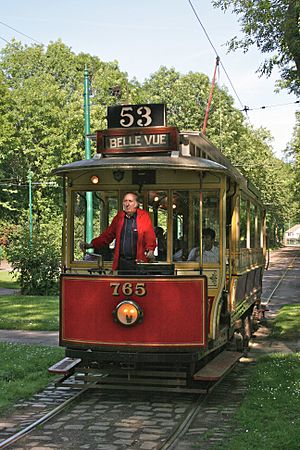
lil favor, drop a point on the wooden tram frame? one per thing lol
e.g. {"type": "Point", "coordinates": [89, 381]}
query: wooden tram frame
{"type": "Point", "coordinates": [193, 162]}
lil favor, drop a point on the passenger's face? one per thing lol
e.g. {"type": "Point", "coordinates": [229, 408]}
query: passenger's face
{"type": "Point", "coordinates": [130, 204]}
{"type": "Point", "coordinates": [207, 242]}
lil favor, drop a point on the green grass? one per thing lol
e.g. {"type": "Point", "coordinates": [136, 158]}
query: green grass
{"type": "Point", "coordinates": [23, 371]}
{"type": "Point", "coordinates": [7, 280]}
{"type": "Point", "coordinates": [286, 325]}
{"type": "Point", "coordinates": [30, 312]}
{"type": "Point", "coordinates": [269, 415]}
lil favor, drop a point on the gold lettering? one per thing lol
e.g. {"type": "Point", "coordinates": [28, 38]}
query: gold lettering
{"type": "Point", "coordinates": [140, 289]}
{"type": "Point", "coordinates": [115, 287]}
{"type": "Point", "coordinates": [128, 289]}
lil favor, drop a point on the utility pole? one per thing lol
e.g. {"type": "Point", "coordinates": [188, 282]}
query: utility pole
{"type": "Point", "coordinates": [87, 130]}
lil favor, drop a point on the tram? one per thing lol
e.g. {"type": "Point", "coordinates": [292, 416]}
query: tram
{"type": "Point", "coordinates": [161, 326]}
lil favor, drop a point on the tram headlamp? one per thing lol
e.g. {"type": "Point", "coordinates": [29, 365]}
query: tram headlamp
{"type": "Point", "coordinates": [94, 179]}
{"type": "Point", "coordinates": [128, 313]}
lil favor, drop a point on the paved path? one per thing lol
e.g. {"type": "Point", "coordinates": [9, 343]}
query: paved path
{"type": "Point", "coordinates": [29, 337]}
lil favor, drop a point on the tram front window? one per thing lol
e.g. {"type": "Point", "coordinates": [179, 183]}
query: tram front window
{"type": "Point", "coordinates": [158, 210]}
{"type": "Point", "coordinates": [104, 206]}
{"type": "Point", "coordinates": [186, 226]}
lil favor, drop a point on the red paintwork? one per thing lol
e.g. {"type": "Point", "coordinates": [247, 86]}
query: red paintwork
{"type": "Point", "coordinates": [174, 312]}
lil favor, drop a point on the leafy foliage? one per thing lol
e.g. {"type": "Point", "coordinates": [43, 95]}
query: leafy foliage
{"type": "Point", "coordinates": [293, 153]}
{"type": "Point", "coordinates": [42, 126]}
{"type": "Point", "coordinates": [36, 262]}
{"type": "Point", "coordinates": [42, 123]}
{"type": "Point", "coordinates": [273, 26]}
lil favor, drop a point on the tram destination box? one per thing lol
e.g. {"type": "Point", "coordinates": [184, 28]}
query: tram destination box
{"type": "Point", "coordinates": [137, 141]}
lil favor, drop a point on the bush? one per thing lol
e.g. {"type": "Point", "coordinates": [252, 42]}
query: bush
{"type": "Point", "coordinates": [36, 264]}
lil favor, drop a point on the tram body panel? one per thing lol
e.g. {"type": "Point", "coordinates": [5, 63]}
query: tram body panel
{"type": "Point", "coordinates": [167, 305]}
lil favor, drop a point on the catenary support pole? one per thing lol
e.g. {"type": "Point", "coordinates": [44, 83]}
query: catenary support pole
{"type": "Point", "coordinates": [89, 195]}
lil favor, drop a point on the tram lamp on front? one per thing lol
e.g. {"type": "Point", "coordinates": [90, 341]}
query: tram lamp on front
{"type": "Point", "coordinates": [128, 313]}
{"type": "Point", "coordinates": [94, 179]}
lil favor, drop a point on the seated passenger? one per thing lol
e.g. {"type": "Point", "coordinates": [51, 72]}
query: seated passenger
{"type": "Point", "coordinates": [177, 248]}
{"type": "Point", "coordinates": [161, 243]}
{"type": "Point", "coordinates": [210, 251]}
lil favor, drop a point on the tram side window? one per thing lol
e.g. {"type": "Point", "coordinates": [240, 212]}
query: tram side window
{"type": "Point", "coordinates": [104, 206]}
{"type": "Point", "coordinates": [158, 210]}
{"type": "Point", "coordinates": [243, 223]}
{"type": "Point", "coordinates": [259, 229]}
{"type": "Point", "coordinates": [252, 225]}
{"type": "Point", "coordinates": [182, 218]}
{"type": "Point", "coordinates": [211, 227]}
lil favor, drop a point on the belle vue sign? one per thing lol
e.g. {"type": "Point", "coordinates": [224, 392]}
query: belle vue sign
{"type": "Point", "coordinates": [137, 129]}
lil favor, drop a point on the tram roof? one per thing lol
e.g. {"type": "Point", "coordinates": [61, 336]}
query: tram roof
{"type": "Point", "coordinates": [183, 159]}
{"type": "Point", "coordinates": [142, 162]}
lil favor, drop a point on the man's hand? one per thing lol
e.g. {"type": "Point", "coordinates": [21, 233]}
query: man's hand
{"type": "Point", "coordinates": [84, 245]}
{"type": "Point", "coordinates": [150, 256]}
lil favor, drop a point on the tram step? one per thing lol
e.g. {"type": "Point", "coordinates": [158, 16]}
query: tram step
{"type": "Point", "coordinates": [64, 366]}
{"type": "Point", "coordinates": [218, 367]}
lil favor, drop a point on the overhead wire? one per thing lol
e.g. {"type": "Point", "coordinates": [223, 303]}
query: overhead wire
{"type": "Point", "coordinates": [20, 32]}
{"type": "Point", "coordinates": [213, 47]}
{"type": "Point", "coordinates": [247, 108]}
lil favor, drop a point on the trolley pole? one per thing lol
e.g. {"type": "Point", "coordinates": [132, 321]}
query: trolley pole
{"type": "Point", "coordinates": [29, 177]}
{"type": "Point", "coordinates": [87, 130]}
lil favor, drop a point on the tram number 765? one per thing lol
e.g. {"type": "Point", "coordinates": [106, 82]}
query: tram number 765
{"type": "Point", "coordinates": [138, 289]}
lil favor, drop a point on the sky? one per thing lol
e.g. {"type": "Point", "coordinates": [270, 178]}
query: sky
{"type": "Point", "coordinates": [143, 35]}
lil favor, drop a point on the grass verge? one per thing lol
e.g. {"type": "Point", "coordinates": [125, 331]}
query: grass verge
{"type": "Point", "coordinates": [29, 312]}
{"type": "Point", "coordinates": [23, 371]}
{"type": "Point", "coordinates": [286, 325]}
{"type": "Point", "coordinates": [7, 280]}
{"type": "Point", "coordinates": [269, 415]}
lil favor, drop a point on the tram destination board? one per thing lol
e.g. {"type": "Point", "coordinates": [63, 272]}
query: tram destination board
{"type": "Point", "coordinates": [136, 116]}
{"type": "Point", "coordinates": [146, 140]}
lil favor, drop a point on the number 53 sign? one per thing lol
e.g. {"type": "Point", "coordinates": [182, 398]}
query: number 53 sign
{"type": "Point", "coordinates": [136, 116]}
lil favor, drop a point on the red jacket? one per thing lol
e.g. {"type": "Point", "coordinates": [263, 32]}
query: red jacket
{"type": "Point", "coordinates": [146, 236]}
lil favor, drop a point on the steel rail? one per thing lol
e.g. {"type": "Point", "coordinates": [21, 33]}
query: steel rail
{"type": "Point", "coordinates": [184, 424]}
{"type": "Point", "coordinates": [15, 437]}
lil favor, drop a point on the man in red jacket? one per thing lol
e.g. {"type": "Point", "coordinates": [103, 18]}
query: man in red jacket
{"type": "Point", "coordinates": [135, 237]}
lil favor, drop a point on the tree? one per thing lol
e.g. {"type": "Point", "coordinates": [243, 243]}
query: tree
{"type": "Point", "coordinates": [42, 124]}
{"type": "Point", "coordinates": [293, 154]}
{"type": "Point", "coordinates": [273, 26]}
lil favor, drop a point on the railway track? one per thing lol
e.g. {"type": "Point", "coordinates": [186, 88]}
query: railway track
{"type": "Point", "coordinates": [116, 420]}
{"type": "Point", "coordinates": [34, 425]}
